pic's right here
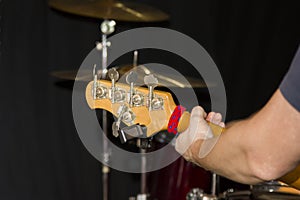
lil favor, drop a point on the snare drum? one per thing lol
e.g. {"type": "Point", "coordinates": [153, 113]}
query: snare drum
{"type": "Point", "coordinates": [267, 191]}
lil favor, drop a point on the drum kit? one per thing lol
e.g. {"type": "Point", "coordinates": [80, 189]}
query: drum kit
{"type": "Point", "coordinates": [180, 180]}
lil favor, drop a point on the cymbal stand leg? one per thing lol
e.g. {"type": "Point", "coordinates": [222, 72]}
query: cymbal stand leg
{"type": "Point", "coordinates": [213, 183]}
{"type": "Point", "coordinates": [143, 172]}
{"type": "Point", "coordinates": [143, 195]}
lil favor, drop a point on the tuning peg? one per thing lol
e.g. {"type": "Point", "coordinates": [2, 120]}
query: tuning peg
{"type": "Point", "coordinates": [150, 80]}
{"type": "Point", "coordinates": [113, 74]}
{"type": "Point", "coordinates": [131, 77]}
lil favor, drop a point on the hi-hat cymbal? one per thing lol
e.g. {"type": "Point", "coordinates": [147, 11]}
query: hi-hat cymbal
{"type": "Point", "coordinates": [109, 9]}
{"type": "Point", "coordinates": [166, 80]}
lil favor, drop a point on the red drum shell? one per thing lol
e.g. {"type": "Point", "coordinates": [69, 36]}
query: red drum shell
{"type": "Point", "coordinates": [176, 180]}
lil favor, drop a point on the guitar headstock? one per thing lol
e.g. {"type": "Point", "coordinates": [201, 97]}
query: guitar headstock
{"type": "Point", "coordinates": [130, 104]}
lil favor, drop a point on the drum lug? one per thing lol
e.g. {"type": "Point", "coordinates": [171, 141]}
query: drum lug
{"type": "Point", "coordinates": [198, 194]}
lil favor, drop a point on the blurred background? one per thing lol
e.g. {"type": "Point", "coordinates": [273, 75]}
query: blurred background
{"type": "Point", "coordinates": [41, 156]}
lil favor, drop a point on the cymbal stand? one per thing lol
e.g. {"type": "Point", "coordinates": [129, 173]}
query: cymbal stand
{"type": "Point", "coordinates": [214, 183]}
{"type": "Point", "coordinates": [142, 143]}
{"type": "Point", "coordinates": [198, 194]}
{"type": "Point", "coordinates": [107, 27]}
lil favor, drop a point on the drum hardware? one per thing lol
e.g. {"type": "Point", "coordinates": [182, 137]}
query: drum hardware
{"type": "Point", "coordinates": [214, 184]}
{"type": "Point", "coordinates": [109, 9]}
{"type": "Point", "coordinates": [107, 27]}
{"type": "Point", "coordinates": [272, 190]}
{"type": "Point", "coordinates": [135, 58]}
{"type": "Point", "coordinates": [198, 194]}
{"type": "Point", "coordinates": [140, 197]}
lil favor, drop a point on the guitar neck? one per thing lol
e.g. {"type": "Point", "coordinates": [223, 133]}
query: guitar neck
{"type": "Point", "coordinates": [185, 120]}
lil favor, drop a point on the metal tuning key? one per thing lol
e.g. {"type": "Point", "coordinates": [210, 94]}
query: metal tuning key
{"type": "Point", "coordinates": [151, 82]}
{"type": "Point", "coordinates": [113, 74]}
{"type": "Point", "coordinates": [131, 78]}
{"type": "Point", "coordinates": [116, 124]}
{"type": "Point", "coordinates": [98, 91]}
{"type": "Point", "coordinates": [127, 116]}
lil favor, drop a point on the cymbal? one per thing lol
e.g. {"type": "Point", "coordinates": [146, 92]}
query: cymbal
{"type": "Point", "coordinates": [109, 9]}
{"type": "Point", "coordinates": [84, 75]}
{"type": "Point", "coordinates": [166, 80]}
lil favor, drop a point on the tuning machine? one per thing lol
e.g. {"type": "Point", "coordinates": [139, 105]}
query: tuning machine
{"type": "Point", "coordinates": [124, 114]}
{"type": "Point", "coordinates": [154, 102]}
{"type": "Point", "coordinates": [98, 91]}
{"type": "Point", "coordinates": [135, 98]}
{"type": "Point", "coordinates": [117, 95]}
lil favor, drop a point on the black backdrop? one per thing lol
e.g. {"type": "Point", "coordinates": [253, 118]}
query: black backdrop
{"type": "Point", "coordinates": [252, 43]}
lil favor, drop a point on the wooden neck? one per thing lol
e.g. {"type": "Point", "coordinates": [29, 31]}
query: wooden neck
{"type": "Point", "coordinates": [185, 121]}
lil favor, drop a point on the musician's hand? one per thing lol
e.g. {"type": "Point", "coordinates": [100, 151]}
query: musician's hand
{"type": "Point", "coordinates": [198, 139]}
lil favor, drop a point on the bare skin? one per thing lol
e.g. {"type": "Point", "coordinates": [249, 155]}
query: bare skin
{"type": "Point", "coordinates": [263, 147]}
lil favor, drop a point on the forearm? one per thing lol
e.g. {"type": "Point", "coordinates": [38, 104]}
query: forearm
{"type": "Point", "coordinates": [260, 148]}
{"type": "Point", "coordinates": [229, 157]}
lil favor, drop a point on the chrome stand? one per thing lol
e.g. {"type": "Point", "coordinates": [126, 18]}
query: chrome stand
{"type": "Point", "coordinates": [143, 195]}
{"type": "Point", "coordinates": [143, 172]}
{"type": "Point", "coordinates": [107, 27]}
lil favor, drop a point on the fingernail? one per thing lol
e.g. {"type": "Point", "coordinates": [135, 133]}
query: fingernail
{"type": "Point", "coordinates": [211, 116]}
{"type": "Point", "coordinates": [217, 116]}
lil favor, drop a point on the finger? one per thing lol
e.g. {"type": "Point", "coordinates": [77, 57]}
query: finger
{"type": "Point", "coordinates": [222, 124]}
{"type": "Point", "coordinates": [197, 115]}
{"type": "Point", "coordinates": [210, 116]}
{"type": "Point", "coordinates": [217, 118]}
{"type": "Point", "coordinates": [198, 111]}
{"type": "Point", "coordinates": [181, 144]}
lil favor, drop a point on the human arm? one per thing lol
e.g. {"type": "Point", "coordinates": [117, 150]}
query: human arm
{"type": "Point", "coordinates": [260, 148]}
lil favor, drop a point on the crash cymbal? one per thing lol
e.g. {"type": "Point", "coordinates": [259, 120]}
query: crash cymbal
{"type": "Point", "coordinates": [109, 9]}
{"type": "Point", "coordinates": [166, 80]}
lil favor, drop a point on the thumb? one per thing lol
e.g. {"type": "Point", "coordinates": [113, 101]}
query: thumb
{"type": "Point", "coordinates": [197, 115]}
{"type": "Point", "coordinates": [187, 137]}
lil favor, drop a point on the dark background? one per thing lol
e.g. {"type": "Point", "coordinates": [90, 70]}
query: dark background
{"type": "Point", "coordinates": [41, 155]}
